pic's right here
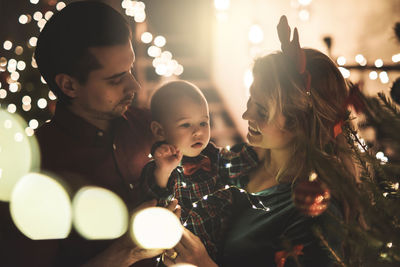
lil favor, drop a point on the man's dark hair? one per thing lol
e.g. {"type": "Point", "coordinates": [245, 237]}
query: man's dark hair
{"type": "Point", "coordinates": [63, 45]}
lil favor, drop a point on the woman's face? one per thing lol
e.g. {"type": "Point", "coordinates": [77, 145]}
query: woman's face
{"type": "Point", "coordinates": [261, 133]}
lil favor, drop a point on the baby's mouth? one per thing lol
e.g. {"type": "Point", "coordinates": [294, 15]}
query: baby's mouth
{"type": "Point", "coordinates": [197, 145]}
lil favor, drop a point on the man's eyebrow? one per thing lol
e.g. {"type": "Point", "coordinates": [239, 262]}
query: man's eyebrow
{"type": "Point", "coordinates": [115, 75]}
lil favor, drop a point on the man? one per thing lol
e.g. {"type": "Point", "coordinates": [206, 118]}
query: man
{"type": "Point", "coordinates": [95, 138]}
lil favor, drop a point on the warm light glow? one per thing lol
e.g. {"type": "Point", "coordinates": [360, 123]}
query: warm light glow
{"type": "Point", "coordinates": [160, 41]}
{"type": "Point", "coordinates": [48, 15]}
{"type": "Point", "coordinates": [360, 59]}
{"type": "Point", "coordinates": [396, 58]}
{"type": "Point", "coordinates": [256, 34]}
{"type": "Point", "coordinates": [373, 75]}
{"type": "Point", "coordinates": [304, 2]}
{"type": "Point", "coordinates": [14, 76]}
{"type": "Point", "coordinates": [23, 19]}
{"type": "Point", "coordinates": [248, 78]}
{"type": "Point", "coordinates": [221, 4]}
{"type": "Point", "coordinates": [42, 103]}
{"type": "Point", "coordinates": [178, 70]}
{"type": "Point", "coordinates": [34, 1]}
{"type": "Point", "coordinates": [60, 5]}
{"type": "Point", "coordinates": [14, 87]}
{"type": "Point", "coordinates": [140, 17]}
{"type": "Point", "coordinates": [146, 37]}
{"type": "Point", "coordinates": [11, 108]}
{"type": "Point", "coordinates": [166, 55]}
{"type": "Point", "coordinates": [304, 15]}
{"type": "Point", "coordinates": [32, 41]}
{"type": "Point", "coordinates": [7, 45]}
{"type": "Point", "coordinates": [40, 207]}
{"type": "Point", "coordinates": [34, 65]}
{"type": "Point", "coordinates": [156, 228]}
{"type": "Point", "coordinates": [345, 72]}
{"type": "Point", "coordinates": [154, 51]}
{"type": "Point", "coordinates": [3, 93]}
{"type": "Point", "coordinates": [37, 15]}
{"type": "Point", "coordinates": [383, 76]}
{"type": "Point", "coordinates": [42, 79]}
{"type": "Point", "coordinates": [33, 124]}
{"type": "Point", "coordinates": [26, 107]}
{"type": "Point", "coordinates": [3, 61]}
{"type": "Point", "coordinates": [341, 60]}
{"type": "Point", "coordinates": [52, 96]}
{"type": "Point", "coordinates": [16, 158]}
{"type": "Point", "coordinates": [21, 65]}
{"type": "Point", "coordinates": [99, 213]}
{"type": "Point", "coordinates": [378, 63]}
{"type": "Point", "coordinates": [41, 23]}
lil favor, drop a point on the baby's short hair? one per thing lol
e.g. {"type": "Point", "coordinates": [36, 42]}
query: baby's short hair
{"type": "Point", "coordinates": [167, 94]}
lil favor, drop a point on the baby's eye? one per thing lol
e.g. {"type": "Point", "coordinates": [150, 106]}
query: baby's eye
{"type": "Point", "coordinates": [203, 124]}
{"type": "Point", "coordinates": [185, 125]}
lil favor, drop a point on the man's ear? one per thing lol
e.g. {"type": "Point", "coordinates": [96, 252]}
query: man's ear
{"type": "Point", "coordinates": [157, 130]}
{"type": "Point", "coordinates": [67, 84]}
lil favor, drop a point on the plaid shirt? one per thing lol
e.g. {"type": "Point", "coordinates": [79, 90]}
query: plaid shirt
{"type": "Point", "coordinates": [208, 222]}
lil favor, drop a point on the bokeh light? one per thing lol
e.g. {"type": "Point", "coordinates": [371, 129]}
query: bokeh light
{"type": "Point", "coordinates": [16, 158]}
{"type": "Point", "coordinates": [221, 4]}
{"type": "Point", "coordinates": [40, 207]}
{"type": "Point", "coordinates": [146, 37]}
{"type": "Point", "coordinates": [99, 213]}
{"type": "Point", "coordinates": [341, 60]}
{"type": "Point", "coordinates": [256, 34]}
{"type": "Point", "coordinates": [156, 228]}
{"type": "Point", "coordinates": [160, 41]}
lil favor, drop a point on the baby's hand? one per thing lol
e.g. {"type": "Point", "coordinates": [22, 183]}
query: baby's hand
{"type": "Point", "coordinates": [167, 158]}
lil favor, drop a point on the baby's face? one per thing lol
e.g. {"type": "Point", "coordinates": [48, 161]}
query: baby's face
{"type": "Point", "coordinates": [187, 126]}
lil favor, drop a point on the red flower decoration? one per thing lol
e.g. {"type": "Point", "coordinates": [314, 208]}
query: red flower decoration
{"type": "Point", "coordinates": [282, 255]}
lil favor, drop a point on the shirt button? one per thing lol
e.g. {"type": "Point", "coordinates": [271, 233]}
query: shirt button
{"type": "Point", "coordinates": [131, 186]}
{"type": "Point", "coordinates": [100, 133]}
{"type": "Point", "coordinates": [114, 147]}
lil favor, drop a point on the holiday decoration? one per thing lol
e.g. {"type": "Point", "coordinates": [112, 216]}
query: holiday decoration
{"type": "Point", "coordinates": [311, 196]}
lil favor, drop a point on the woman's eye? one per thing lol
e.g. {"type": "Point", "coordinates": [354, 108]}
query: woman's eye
{"type": "Point", "coordinates": [203, 124]}
{"type": "Point", "coordinates": [185, 125]}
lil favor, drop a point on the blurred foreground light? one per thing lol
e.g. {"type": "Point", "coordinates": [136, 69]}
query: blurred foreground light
{"type": "Point", "coordinates": [23, 19]}
{"type": "Point", "coordinates": [34, 1]}
{"type": "Point", "coordinates": [99, 213]}
{"type": "Point", "coordinates": [33, 41]}
{"type": "Point", "coordinates": [146, 37]}
{"type": "Point", "coordinates": [156, 228]}
{"type": "Point", "coordinates": [256, 34]}
{"type": "Point", "coordinates": [40, 207]}
{"type": "Point", "coordinates": [396, 58]}
{"type": "Point", "coordinates": [221, 4]}
{"type": "Point", "coordinates": [18, 156]}
{"type": "Point", "coordinates": [42, 103]}
{"type": "Point", "coordinates": [304, 2]}
{"type": "Point", "coordinates": [360, 59]}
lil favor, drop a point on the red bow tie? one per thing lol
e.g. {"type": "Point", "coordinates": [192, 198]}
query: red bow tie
{"type": "Point", "coordinates": [191, 167]}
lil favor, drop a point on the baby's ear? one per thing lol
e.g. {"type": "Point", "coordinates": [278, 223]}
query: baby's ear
{"type": "Point", "coordinates": [157, 130]}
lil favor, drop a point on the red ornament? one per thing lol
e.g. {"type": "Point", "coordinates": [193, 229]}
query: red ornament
{"type": "Point", "coordinates": [311, 197]}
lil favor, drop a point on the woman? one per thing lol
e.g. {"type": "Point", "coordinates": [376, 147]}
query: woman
{"type": "Point", "coordinates": [295, 113]}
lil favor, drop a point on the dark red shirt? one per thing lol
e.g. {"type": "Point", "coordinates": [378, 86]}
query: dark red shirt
{"type": "Point", "coordinates": [80, 154]}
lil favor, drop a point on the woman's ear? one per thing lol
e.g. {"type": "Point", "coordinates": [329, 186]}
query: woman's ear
{"type": "Point", "coordinates": [157, 130]}
{"type": "Point", "coordinates": [67, 84]}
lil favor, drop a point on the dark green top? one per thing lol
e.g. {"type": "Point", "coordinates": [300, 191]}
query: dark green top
{"type": "Point", "coordinates": [256, 235]}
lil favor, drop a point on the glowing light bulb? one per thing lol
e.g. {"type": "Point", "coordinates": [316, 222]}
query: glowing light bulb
{"type": "Point", "coordinates": [256, 34]}
{"type": "Point", "coordinates": [156, 228]}
{"type": "Point", "coordinates": [146, 37]}
{"type": "Point", "coordinates": [341, 60]}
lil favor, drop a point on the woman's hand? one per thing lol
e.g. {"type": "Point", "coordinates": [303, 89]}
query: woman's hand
{"type": "Point", "coordinates": [190, 250]}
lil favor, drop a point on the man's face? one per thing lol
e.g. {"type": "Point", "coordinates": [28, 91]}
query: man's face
{"type": "Point", "coordinates": [187, 126]}
{"type": "Point", "coordinates": [109, 91]}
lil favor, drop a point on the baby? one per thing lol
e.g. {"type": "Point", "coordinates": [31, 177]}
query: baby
{"type": "Point", "coordinates": [187, 166]}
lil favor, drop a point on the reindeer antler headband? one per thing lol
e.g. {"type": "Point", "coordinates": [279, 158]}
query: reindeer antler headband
{"type": "Point", "coordinates": [293, 51]}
